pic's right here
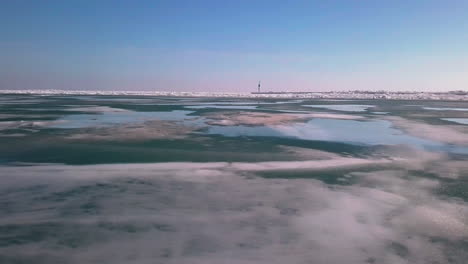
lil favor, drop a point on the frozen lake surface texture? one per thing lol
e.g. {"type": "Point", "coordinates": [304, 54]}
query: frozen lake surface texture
{"type": "Point", "coordinates": [107, 177]}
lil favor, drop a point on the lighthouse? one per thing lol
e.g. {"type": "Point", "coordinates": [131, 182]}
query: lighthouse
{"type": "Point", "coordinates": [259, 85]}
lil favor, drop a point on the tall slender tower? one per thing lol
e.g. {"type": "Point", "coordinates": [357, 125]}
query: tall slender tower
{"type": "Point", "coordinates": [259, 84]}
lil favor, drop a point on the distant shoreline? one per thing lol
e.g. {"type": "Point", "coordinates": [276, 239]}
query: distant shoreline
{"type": "Point", "coordinates": [386, 95]}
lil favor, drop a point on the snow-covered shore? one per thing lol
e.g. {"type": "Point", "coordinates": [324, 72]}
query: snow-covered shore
{"type": "Point", "coordinates": [456, 96]}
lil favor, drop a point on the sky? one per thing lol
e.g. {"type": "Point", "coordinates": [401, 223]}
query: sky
{"type": "Point", "coordinates": [228, 46]}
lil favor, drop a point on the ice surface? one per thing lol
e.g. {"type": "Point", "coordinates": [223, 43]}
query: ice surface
{"type": "Point", "coordinates": [119, 117]}
{"type": "Point", "coordinates": [445, 109]}
{"type": "Point", "coordinates": [346, 108]}
{"type": "Point", "coordinates": [463, 121]}
{"type": "Point", "coordinates": [244, 107]}
{"type": "Point", "coordinates": [234, 186]}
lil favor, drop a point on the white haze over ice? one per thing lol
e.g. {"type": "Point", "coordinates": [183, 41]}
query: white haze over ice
{"type": "Point", "coordinates": [224, 213]}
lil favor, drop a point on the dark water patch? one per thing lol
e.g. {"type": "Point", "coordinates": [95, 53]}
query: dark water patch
{"type": "Point", "coordinates": [204, 149]}
{"type": "Point", "coordinates": [399, 249]}
{"type": "Point", "coordinates": [34, 189]}
{"type": "Point", "coordinates": [208, 111]}
{"type": "Point", "coordinates": [27, 117]}
{"type": "Point", "coordinates": [131, 227]}
{"type": "Point", "coordinates": [329, 146]}
{"type": "Point", "coordinates": [81, 200]}
{"type": "Point", "coordinates": [27, 258]}
{"type": "Point", "coordinates": [427, 174]}
{"type": "Point", "coordinates": [455, 189]}
{"type": "Point", "coordinates": [145, 108]}
{"type": "Point", "coordinates": [18, 234]}
{"type": "Point", "coordinates": [215, 149]}
{"type": "Point", "coordinates": [11, 198]}
{"type": "Point", "coordinates": [335, 176]}
{"type": "Point", "coordinates": [343, 107]}
{"type": "Point", "coordinates": [100, 154]}
{"type": "Point", "coordinates": [66, 234]}
{"type": "Point", "coordinates": [456, 251]}
{"type": "Point", "coordinates": [137, 181]}
{"type": "Point", "coordinates": [16, 132]}
{"type": "Point", "coordinates": [84, 191]}
{"type": "Point", "coordinates": [200, 245]}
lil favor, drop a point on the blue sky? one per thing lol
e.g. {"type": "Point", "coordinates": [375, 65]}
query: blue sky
{"type": "Point", "coordinates": [208, 45]}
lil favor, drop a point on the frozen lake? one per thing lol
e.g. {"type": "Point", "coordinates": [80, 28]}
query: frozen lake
{"type": "Point", "coordinates": [147, 179]}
